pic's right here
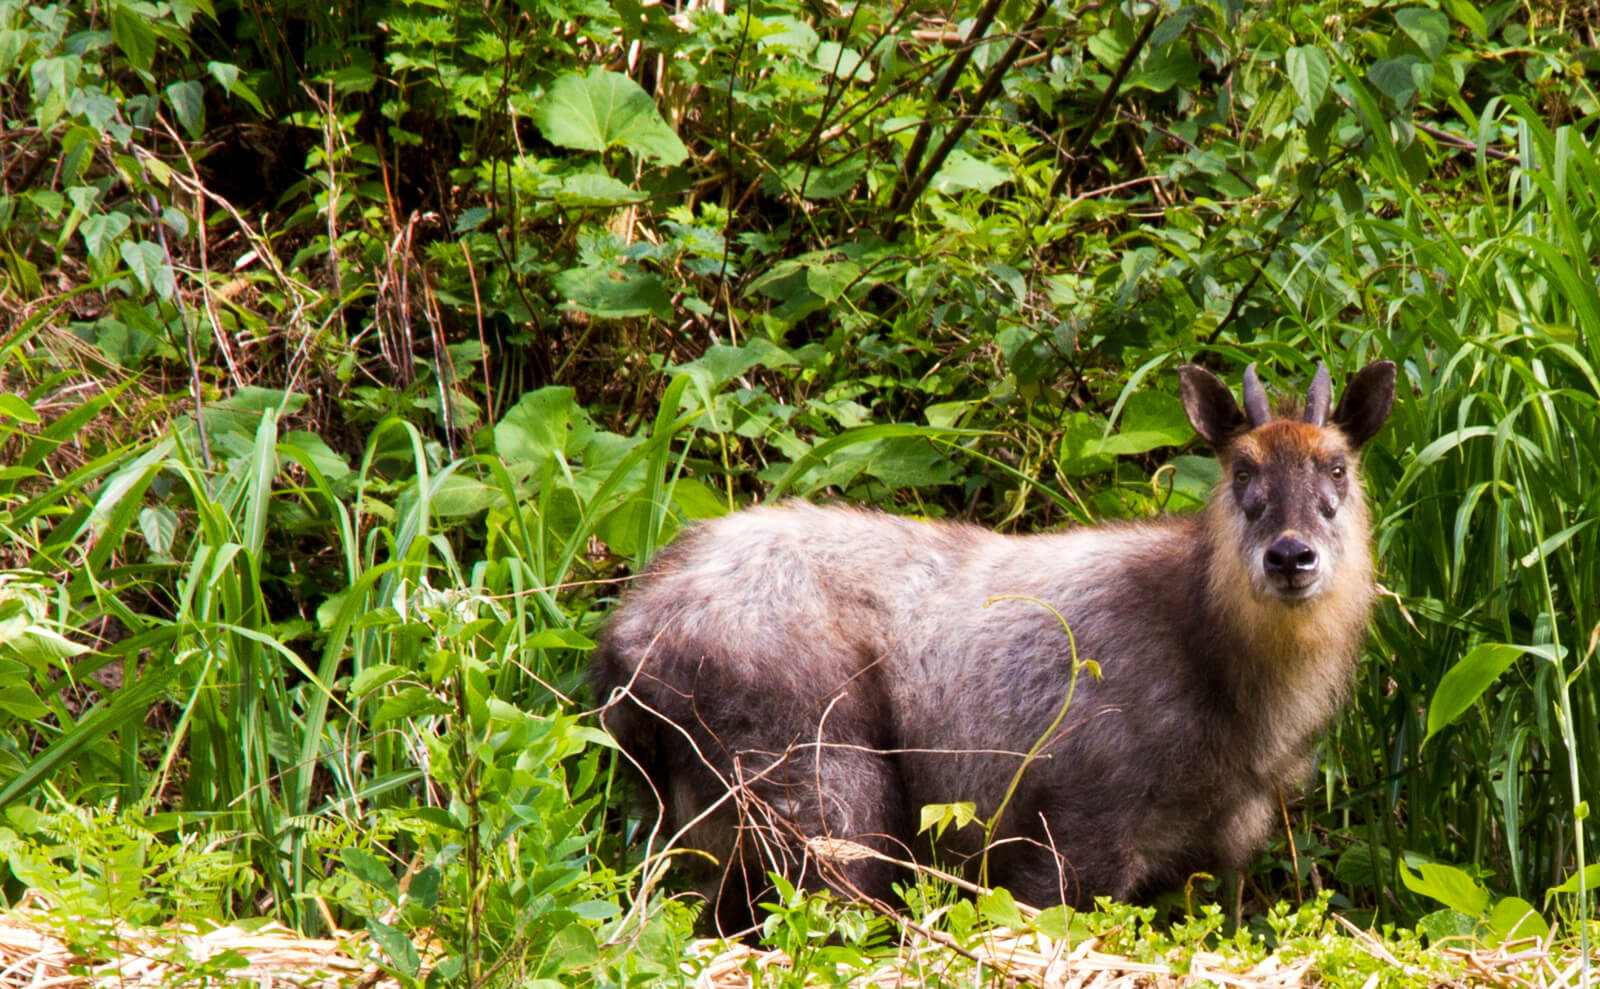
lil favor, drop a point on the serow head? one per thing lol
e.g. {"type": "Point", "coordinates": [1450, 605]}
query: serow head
{"type": "Point", "coordinates": [1290, 497]}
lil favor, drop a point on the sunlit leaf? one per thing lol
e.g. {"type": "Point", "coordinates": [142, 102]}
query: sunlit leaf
{"type": "Point", "coordinates": [603, 110]}
{"type": "Point", "coordinates": [1465, 682]}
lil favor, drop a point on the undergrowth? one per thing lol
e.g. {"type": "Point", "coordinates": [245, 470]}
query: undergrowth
{"type": "Point", "coordinates": [354, 356]}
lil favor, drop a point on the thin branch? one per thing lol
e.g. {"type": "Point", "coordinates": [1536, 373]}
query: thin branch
{"type": "Point", "coordinates": [1106, 99]}
{"type": "Point", "coordinates": [991, 86]}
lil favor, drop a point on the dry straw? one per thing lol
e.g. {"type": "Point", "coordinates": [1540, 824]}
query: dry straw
{"type": "Point", "coordinates": [36, 952]}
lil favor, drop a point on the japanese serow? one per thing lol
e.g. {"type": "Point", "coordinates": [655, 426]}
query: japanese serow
{"type": "Point", "coordinates": [794, 673]}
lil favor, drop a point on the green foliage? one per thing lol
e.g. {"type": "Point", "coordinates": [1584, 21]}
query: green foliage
{"type": "Point", "coordinates": [351, 351]}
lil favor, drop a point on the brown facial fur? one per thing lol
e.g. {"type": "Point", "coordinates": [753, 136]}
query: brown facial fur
{"type": "Point", "coordinates": [794, 673]}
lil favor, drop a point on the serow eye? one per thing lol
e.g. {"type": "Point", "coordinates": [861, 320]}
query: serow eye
{"type": "Point", "coordinates": [1242, 477]}
{"type": "Point", "coordinates": [1337, 472]}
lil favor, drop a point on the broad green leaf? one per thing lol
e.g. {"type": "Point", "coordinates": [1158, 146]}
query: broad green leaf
{"type": "Point", "coordinates": [472, 218]}
{"type": "Point", "coordinates": [370, 869]}
{"type": "Point", "coordinates": [402, 953]}
{"type": "Point", "coordinates": [100, 230]}
{"type": "Point", "coordinates": [1449, 885]}
{"type": "Point", "coordinates": [999, 907]}
{"type": "Point", "coordinates": [457, 496]}
{"type": "Point", "coordinates": [602, 110]}
{"type": "Point", "coordinates": [1150, 419]}
{"type": "Point", "coordinates": [134, 35]}
{"type": "Point", "coordinates": [1396, 78]}
{"type": "Point", "coordinates": [611, 294]}
{"type": "Point", "coordinates": [1591, 875]}
{"type": "Point", "coordinates": [1081, 439]}
{"type": "Point", "coordinates": [1309, 70]}
{"type": "Point", "coordinates": [1428, 28]}
{"type": "Point", "coordinates": [721, 361]}
{"type": "Point", "coordinates": [1467, 13]}
{"type": "Point", "coordinates": [11, 42]}
{"type": "Point", "coordinates": [158, 524]}
{"type": "Point", "coordinates": [1465, 682]}
{"type": "Point", "coordinates": [962, 171]}
{"type": "Point", "coordinates": [595, 189]}
{"type": "Point", "coordinates": [20, 701]}
{"type": "Point", "coordinates": [539, 426]}
{"type": "Point", "coordinates": [845, 63]}
{"type": "Point", "coordinates": [1514, 919]}
{"type": "Point", "coordinates": [148, 262]}
{"type": "Point", "coordinates": [830, 280]}
{"type": "Point", "coordinates": [938, 817]}
{"type": "Point", "coordinates": [241, 412]}
{"type": "Point", "coordinates": [697, 501]}
{"type": "Point", "coordinates": [1447, 924]}
{"type": "Point", "coordinates": [188, 102]}
{"type": "Point", "coordinates": [227, 76]}
{"type": "Point", "coordinates": [311, 447]}
{"type": "Point", "coordinates": [376, 676]}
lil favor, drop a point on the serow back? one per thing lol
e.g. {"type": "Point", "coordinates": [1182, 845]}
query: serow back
{"type": "Point", "coordinates": [794, 683]}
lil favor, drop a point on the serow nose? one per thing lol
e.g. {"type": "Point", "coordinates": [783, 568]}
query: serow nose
{"type": "Point", "coordinates": [1290, 557]}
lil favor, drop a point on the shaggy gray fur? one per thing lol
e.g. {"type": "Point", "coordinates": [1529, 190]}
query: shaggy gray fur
{"type": "Point", "coordinates": [795, 672]}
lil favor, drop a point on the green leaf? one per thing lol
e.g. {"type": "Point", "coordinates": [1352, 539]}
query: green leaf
{"type": "Point", "coordinates": [539, 426]}
{"type": "Point", "coordinates": [158, 524]}
{"type": "Point", "coordinates": [611, 294]}
{"type": "Point", "coordinates": [830, 280]}
{"type": "Point", "coordinates": [472, 218]}
{"type": "Point", "coordinates": [227, 76]}
{"type": "Point", "coordinates": [999, 907]}
{"type": "Point", "coordinates": [559, 638]}
{"type": "Point", "coordinates": [1309, 71]}
{"type": "Point", "coordinates": [1150, 420]}
{"type": "Point", "coordinates": [695, 500]}
{"type": "Point", "coordinates": [1396, 78]}
{"type": "Point", "coordinates": [937, 817]}
{"type": "Point", "coordinates": [242, 411]}
{"type": "Point", "coordinates": [602, 110]}
{"type": "Point", "coordinates": [1449, 885]}
{"type": "Point", "coordinates": [721, 361]}
{"type": "Point", "coordinates": [1465, 682]}
{"type": "Point", "coordinates": [402, 953]}
{"type": "Point", "coordinates": [844, 63]}
{"type": "Point", "coordinates": [368, 868]}
{"type": "Point", "coordinates": [1590, 873]}
{"type": "Point", "coordinates": [311, 448]}
{"type": "Point", "coordinates": [375, 676]}
{"type": "Point", "coordinates": [1446, 924]}
{"type": "Point", "coordinates": [188, 102]}
{"type": "Point", "coordinates": [962, 171]}
{"type": "Point", "coordinates": [595, 189]}
{"type": "Point", "coordinates": [20, 701]}
{"type": "Point", "coordinates": [11, 42]}
{"type": "Point", "coordinates": [1428, 28]}
{"type": "Point", "coordinates": [17, 407]}
{"type": "Point", "coordinates": [1467, 13]}
{"type": "Point", "coordinates": [148, 262]}
{"type": "Point", "coordinates": [1514, 919]}
{"type": "Point", "coordinates": [134, 35]}
{"type": "Point", "coordinates": [100, 230]}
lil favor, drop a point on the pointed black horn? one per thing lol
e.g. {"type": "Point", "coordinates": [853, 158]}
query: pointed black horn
{"type": "Point", "coordinates": [1318, 397]}
{"type": "Point", "coordinates": [1255, 399]}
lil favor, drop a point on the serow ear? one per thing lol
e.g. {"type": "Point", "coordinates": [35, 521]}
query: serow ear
{"type": "Point", "coordinates": [1209, 404]}
{"type": "Point", "coordinates": [1366, 402]}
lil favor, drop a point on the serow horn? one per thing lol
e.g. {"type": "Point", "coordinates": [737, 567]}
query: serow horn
{"type": "Point", "coordinates": [1255, 399]}
{"type": "Point", "coordinates": [1318, 397]}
